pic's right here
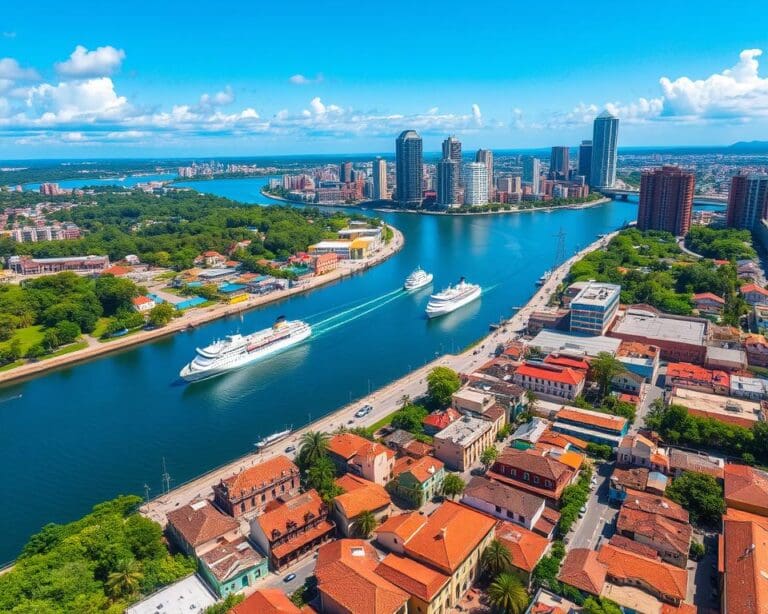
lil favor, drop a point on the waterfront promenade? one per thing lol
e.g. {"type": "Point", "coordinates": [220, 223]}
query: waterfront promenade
{"type": "Point", "coordinates": [384, 400]}
{"type": "Point", "coordinates": [196, 317]}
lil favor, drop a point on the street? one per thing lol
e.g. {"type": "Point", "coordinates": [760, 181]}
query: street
{"type": "Point", "coordinates": [599, 521]}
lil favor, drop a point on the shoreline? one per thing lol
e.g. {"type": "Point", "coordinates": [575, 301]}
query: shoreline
{"type": "Point", "coordinates": [385, 400]}
{"type": "Point", "coordinates": [209, 314]}
{"type": "Point", "coordinates": [585, 205]}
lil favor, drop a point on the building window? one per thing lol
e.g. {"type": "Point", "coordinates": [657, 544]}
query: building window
{"type": "Point", "coordinates": [526, 476]}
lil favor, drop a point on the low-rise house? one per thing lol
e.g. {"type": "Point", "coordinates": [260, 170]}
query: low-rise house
{"type": "Point", "coordinates": [589, 425]}
{"type": "Point", "coordinates": [438, 420]}
{"type": "Point", "coordinates": [189, 594]}
{"type": "Point", "coordinates": [680, 461]}
{"type": "Point", "coordinates": [427, 587]}
{"type": "Point", "coordinates": [628, 382]}
{"type": "Point", "coordinates": [266, 601]}
{"type": "Point", "coordinates": [504, 501]}
{"type": "Point", "coordinates": [199, 527]}
{"type": "Point", "coordinates": [575, 361]}
{"type": "Point", "coordinates": [211, 259]}
{"type": "Point", "coordinates": [752, 388]}
{"type": "Point", "coordinates": [355, 454]}
{"type": "Point", "coordinates": [547, 602]}
{"type": "Point", "coordinates": [249, 491]}
{"type": "Point", "coordinates": [670, 538]}
{"type": "Point", "coordinates": [746, 489]}
{"type": "Point", "coordinates": [143, 304]}
{"type": "Point", "coordinates": [347, 581]}
{"type": "Point", "coordinates": [639, 451]}
{"type": "Point", "coordinates": [639, 358]}
{"type": "Point", "coordinates": [359, 496]}
{"type": "Point", "coordinates": [549, 380]}
{"type": "Point", "coordinates": [510, 396]}
{"type": "Point", "coordinates": [754, 294]}
{"type": "Point", "coordinates": [730, 359]}
{"type": "Point", "coordinates": [756, 347]}
{"type": "Point", "coordinates": [534, 471]}
{"type": "Point", "coordinates": [582, 571]}
{"type": "Point", "coordinates": [394, 533]}
{"type": "Point", "coordinates": [635, 478]}
{"type": "Point", "coordinates": [233, 566]}
{"type": "Point", "coordinates": [742, 563]}
{"type": "Point", "coordinates": [417, 480]}
{"type": "Point", "coordinates": [460, 445]}
{"type": "Point", "coordinates": [693, 377]}
{"type": "Point", "coordinates": [325, 263]}
{"type": "Point", "coordinates": [398, 439]}
{"type": "Point", "coordinates": [708, 304]}
{"type": "Point", "coordinates": [728, 410]}
{"type": "Point", "coordinates": [292, 528]}
{"type": "Point", "coordinates": [480, 403]}
{"type": "Point", "coordinates": [451, 542]}
{"type": "Point", "coordinates": [655, 504]}
{"type": "Point", "coordinates": [759, 317]}
{"type": "Point", "coordinates": [527, 434]}
{"type": "Point", "coordinates": [525, 548]}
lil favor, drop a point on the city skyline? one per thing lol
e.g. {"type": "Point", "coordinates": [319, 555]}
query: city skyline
{"type": "Point", "coordinates": [101, 87]}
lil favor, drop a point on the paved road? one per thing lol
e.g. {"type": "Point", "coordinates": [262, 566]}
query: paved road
{"type": "Point", "coordinates": [599, 521]}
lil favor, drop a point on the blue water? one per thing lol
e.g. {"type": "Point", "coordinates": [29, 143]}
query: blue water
{"type": "Point", "coordinates": [127, 182]}
{"type": "Point", "coordinates": [87, 433]}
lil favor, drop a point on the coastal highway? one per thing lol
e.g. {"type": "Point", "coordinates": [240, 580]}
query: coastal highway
{"type": "Point", "coordinates": [384, 400]}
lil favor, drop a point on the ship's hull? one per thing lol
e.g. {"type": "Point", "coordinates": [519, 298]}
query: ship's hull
{"type": "Point", "coordinates": [435, 311]}
{"type": "Point", "coordinates": [227, 364]}
{"type": "Point", "coordinates": [411, 286]}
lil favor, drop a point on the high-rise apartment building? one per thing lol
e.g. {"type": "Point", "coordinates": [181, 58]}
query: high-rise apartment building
{"type": "Point", "coordinates": [409, 168]}
{"type": "Point", "coordinates": [585, 161]}
{"type": "Point", "coordinates": [475, 184]}
{"type": "Point", "coordinates": [559, 163]}
{"type": "Point", "coordinates": [605, 137]}
{"type": "Point", "coordinates": [380, 179]}
{"type": "Point", "coordinates": [485, 156]}
{"type": "Point", "coordinates": [747, 200]}
{"type": "Point", "coordinates": [508, 184]}
{"type": "Point", "coordinates": [345, 172]}
{"type": "Point", "coordinates": [666, 200]}
{"type": "Point", "coordinates": [452, 149]}
{"type": "Point", "coordinates": [532, 173]}
{"type": "Point", "coordinates": [447, 170]}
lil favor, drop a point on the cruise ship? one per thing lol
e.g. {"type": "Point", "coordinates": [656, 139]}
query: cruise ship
{"type": "Point", "coordinates": [452, 298]}
{"type": "Point", "coordinates": [418, 279]}
{"type": "Point", "coordinates": [235, 351]}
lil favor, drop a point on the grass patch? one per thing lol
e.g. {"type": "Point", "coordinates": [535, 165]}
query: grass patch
{"type": "Point", "coordinates": [100, 328]}
{"type": "Point", "coordinates": [166, 275]}
{"type": "Point", "coordinates": [128, 334]}
{"type": "Point", "coordinates": [386, 420]}
{"type": "Point", "coordinates": [12, 365]}
{"type": "Point", "coordinates": [27, 336]}
{"type": "Point", "coordinates": [72, 347]}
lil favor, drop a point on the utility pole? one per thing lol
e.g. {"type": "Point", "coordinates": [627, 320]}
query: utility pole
{"type": "Point", "coordinates": [560, 253]}
{"type": "Point", "coordinates": [166, 479]}
{"type": "Point", "coordinates": [146, 492]}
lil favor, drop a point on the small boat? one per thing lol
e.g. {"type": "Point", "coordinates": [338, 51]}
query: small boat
{"type": "Point", "coordinates": [418, 279]}
{"type": "Point", "coordinates": [273, 438]}
{"type": "Point", "coordinates": [544, 277]}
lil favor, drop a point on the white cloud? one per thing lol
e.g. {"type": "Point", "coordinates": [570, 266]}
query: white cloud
{"type": "Point", "coordinates": [300, 79]}
{"type": "Point", "coordinates": [69, 101]}
{"type": "Point", "coordinates": [477, 115]}
{"type": "Point", "coordinates": [219, 99]}
{"type": "Point", "coordinates": [100, 62]}
{"type": "Point", "coordinates": [11, 70]}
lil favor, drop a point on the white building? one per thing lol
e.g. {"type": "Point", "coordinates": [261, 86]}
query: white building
{"type": "Point", "coordinates": [475, 184]}
{"type": "Point", "coordinates": [605, 135]}
{"type": "Point", "coordinates": [182, 597]}
{"type": "Point", "coordinates": [532, 173]}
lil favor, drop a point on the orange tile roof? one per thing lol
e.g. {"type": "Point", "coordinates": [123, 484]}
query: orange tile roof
{"type": "Point", "coordinates": [117, 270]}
{"type": "Point", "coordinates": [418, 448]}
{"type": "Point", "coordinates": [581, 569]}
{"type": "Point", "coordinates": [200, 522]}
{"type": "Point", "coordinates": [561, 375]}
{"type": "Point", "coordinates": [606, 421]}
{"type": "Point", "coordinates": [533, 461]}
{"type": "Point", "coordinates": [671, 534]}
{"type": "Point", "coordinates": [348, 445]}
{"type": "Point", "coordinates": [403, 526]}
{"type": "Point", "coordinates": [256, 478]}
{"type": "Point", "coordinates": [450, 534]}
{"type": "Point", "coordinates": [629, 544]}
{"type": "Point", "coordinates": [266, 601]}
{"type": "Point", "coordinates": [141, 300]}
{"type": "Point", "coordinates": [282, 511]}
{"type": "Point", "coordinates": [441, 419]}
{"type": "Point", "coordinates": [708, 295]}
{"type": "Point", "coordinates": [561, 360]}
{"type": "Point", "coordinates": [746, 486]}
{"type": "Point", "coordinates": [366, 496]}
{"type": "Point", "coordinates": [746, 289]}
{"type": "Point", "coordinates": [626, 566]}
{"type": "Point", "coordinates": [655, 504]}
{"type": "Point", "coordinates": [413, 577]}
{"type": "Point", "coordinates": [696, 374]}
{"type": "Point", "coordinates": [525, 547]}
{"type": "Point", "coordinates": [296, 542]}
{"type": "Point", "coordinates": [637, 349]}
{"type": "Point", "coordinates": [573, 459]}
{"type": "Point", "coordinates": [345, 572]}
{"type": "Point", "coordinates": [744, 554]}
{"type": "Point", "coordinates": [421, 469]}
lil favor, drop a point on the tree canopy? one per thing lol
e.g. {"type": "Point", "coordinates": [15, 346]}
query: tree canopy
{"type": "Point", "coordinates": [700, 495]}
{"type": "Point", "coordinates": [442, 382]}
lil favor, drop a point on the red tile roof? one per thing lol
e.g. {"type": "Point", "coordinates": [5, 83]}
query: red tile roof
{"type": "Point", "coordinates": [710, 296]}
{"type": "Point", "coordinates": [117, 270]}
{"type": "Point", "coordinates": [260, 476]}
{"type": "Point", "coordinates": [525, 547]}
{"type": "Point", "coordinates": [421, 469]}
{"type": "Point", "coordinates": [628, 567]}
{"type": "Point", "coordinates": [629, 544]}
{"type": "Point", "coordinates": [411, 576]}
{"type": "Point", "coordinates": [670, 534]}
{"type": "Point", "coordinates": [748, 288]}
{"type": "Point", "coordinates": [440, 419]}
{"type": "Point", "coordinates": [403, 526]}
{"type": "Point", "coordinates": [696, 374]}
{"type": "Point", "coordinates": [744, 561]}
{"type": "Point", "coordinates": [581, 569]}
{"type": "Point", "coordinates": [746, 488]}
{"type": "Point", "coordinates": [592, 418]}
{"type": "Point", "coordinates": [200, 522]}
{"type": "Point", "coordinates": [266, 601]}
{"type": "Point", "coordinates": [561, 360]}
{"type": "Point", "coordinates": [360, 496]}
{"type": "Point", "coordinates": [637, 350]}
{"type": "Point", "coordinates": [552, 374]}
{"type": "Point", "coordinates": [532, 461]}
{"type": "Point", "coordinates": [451, 533]}
{"type": "Point", "coordinates": [293, 510]}
{"type": "Point", "coordinates": [141, 300]}
{"type": "Point", "coordinates": [349, 445]}
{"type": "Point", "coordinates": [654, 504]}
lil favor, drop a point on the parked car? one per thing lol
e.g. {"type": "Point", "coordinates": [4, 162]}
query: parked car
{"type": "Point", "coordinates": [582, 511]}
{"type": "Point", "coordinates": [290, 449]}
{"type": "Point", "coordinates": [289, 577]}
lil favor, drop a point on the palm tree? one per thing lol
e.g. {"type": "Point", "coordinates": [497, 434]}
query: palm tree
{"type": "Point", "coordinates": [507, 594]}
{"type": "Point", "coordinates": [314, 445]}
{"type": "Point", "coordinates": [496, 559]}
{"type": "Point", "coordinates": [365, 524]}
{"type": "Point", "coordinates": [453, 485]}
{"type": "Point", "coordinates": [405, 400]}
{"type": "Point", "coordinates": [124, 581]}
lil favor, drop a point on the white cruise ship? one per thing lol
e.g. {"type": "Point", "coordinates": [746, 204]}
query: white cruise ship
{"type": "Point", "coordinates": [235, 351]}
{"type": "Point", "coordinates": [418, 279]}
{"type": "Point", "coordinates": [452, 298]}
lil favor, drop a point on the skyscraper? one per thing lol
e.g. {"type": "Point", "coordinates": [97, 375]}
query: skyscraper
{"type": "Point", "coordinates": [532, 173]}
{"type": "Point", "coordinates": [409, 168]}
{"type": "Point", "coordinates": [345, 172]}
{"type": "Point", "coordinates": [485, 156]}
{"type": "Point", "coordinates": [447, 170]}
{"type": "Point", "coordinates": [585, 160]}
{"type": "Point", "coordinates": [452, 149]}
{"type": "Point", "coordinates": [666, 200]}
{"type": "Point", "coordinates": [559, 163]}
{"type": "Point", "coordinates": [380, 179]}
{"type": "Point", "coordinates": [475, 184]}
{"type": "Point", "coordinates": [747, 200]}
{"type": "Point", "coordinates": [605, 135]}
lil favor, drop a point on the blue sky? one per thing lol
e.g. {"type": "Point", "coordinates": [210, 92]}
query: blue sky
{"type": "Point", "coordinates": [237, 78]}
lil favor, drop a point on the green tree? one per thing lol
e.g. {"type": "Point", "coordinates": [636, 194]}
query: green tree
{"type": "Point", "coordinates": [488, 456]}
{"type": "Point", "coordinates": [495, 559]}
{"type": "Point", "coordinates": [36, 351]}
{"type": "Point", "coordinates": [115, 293]}
{"type": "Point", "coordinates": [604, 368]}
{"type": "Point", "coordinates": [442, 382]}
{"type": "Point", "coordinates": [700, 495]}
{"type": "Point", "coordinates": [531, 401]}
{"type": "Point", "coordinates": [321, 474]}
{"type": "Point", "coordinates": [313, 446]}
{"type": "Point", "coordinates": [161, 314]}
{"type": "Point", "coordinates": [67, 332]}
{"type": "Point", "coordinates": [508, 595]}
{"type": "Point", "coordinates": [598, 605]}
{"type": "Point", "coordinates": [223, 607]}
{"type": "Point", "coordinates": [125, 579]}
{"type": "Point", "coordinates": [452, 485]}
{"type": "Point", "coordinates": [364, 524]}
{"type": "Point", "coordinates": [409, 418]}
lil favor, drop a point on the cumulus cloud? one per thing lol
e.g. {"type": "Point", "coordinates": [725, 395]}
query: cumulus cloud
{"type": "Point", "coordinates": [100, 62]}
{"type": "Point", "coordinates": [477, 115]}
{"type": "Point", "coordinates": [90, 100]}
{"type": "Point", "coordinates": [300, 79]}
{"type": "Point", "coordinates": [219, 99]}
{"type": "Point", "coordinates": [11, 70]}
